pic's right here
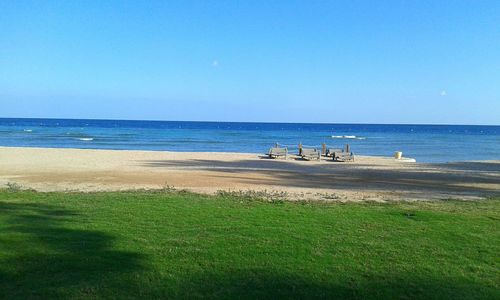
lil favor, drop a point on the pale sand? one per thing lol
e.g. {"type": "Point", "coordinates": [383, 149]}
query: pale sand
{"type": "Point", "coordinates": [368, 178]}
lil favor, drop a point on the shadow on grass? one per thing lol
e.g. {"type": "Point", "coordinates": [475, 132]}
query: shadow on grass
{"type": "Point", "coordinates": [260, 284]}
{"type": "Point", "coordinates": [42, 256]}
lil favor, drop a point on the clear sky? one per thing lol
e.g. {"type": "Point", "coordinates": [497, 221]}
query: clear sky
{"type": "Point", "coordinates": [279, 61]}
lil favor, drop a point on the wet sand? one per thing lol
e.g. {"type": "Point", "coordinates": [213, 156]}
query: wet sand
{"type": "Point", "coordinates": [368, 178]}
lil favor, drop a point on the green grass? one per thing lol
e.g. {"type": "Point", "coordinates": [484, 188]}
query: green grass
{"type": "Point", "coordinates": [181, 245]}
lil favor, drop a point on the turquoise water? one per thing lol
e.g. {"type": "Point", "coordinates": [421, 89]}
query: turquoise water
{"type": "Point", "coordinates": [426, 143]}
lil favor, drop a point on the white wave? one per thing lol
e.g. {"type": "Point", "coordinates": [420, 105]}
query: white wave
{"type": "Point", "coordinates": [86, 139]}
{"type": "Point", "coordinates": [348, 137]}
{"type": "Point", "coordinates": [28, 130]}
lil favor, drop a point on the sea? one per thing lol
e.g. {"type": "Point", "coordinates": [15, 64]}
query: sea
{"type": "Point", "coordinates": [425, 143]}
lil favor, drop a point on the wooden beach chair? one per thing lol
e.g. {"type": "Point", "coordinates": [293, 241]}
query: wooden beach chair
{"type": "Point", "coordinates": [343, 155]}
{"type": "Point", "coordinates": [278, 152]}
{"type": "Point", "coordinates": [310, 154]}
{"type": "Point", "coordinates": [331, 151]}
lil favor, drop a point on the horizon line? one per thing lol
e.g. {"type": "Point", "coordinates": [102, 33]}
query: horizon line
{"type": "Point", "coordinates": [248, 122]}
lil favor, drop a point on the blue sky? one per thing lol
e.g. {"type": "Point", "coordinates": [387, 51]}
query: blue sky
{"type": "Point", "coordinates": [280, 61]}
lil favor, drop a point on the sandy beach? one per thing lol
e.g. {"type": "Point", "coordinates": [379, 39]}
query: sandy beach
{"type": "Point", "coordinates": [368, 178]}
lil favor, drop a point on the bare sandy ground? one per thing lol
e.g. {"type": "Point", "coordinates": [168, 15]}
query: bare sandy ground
{"type": "Point", "coordinates": [368, 178]}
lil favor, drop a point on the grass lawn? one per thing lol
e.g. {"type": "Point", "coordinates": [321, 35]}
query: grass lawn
{"type": "Point", "coordinates": [182, 245]}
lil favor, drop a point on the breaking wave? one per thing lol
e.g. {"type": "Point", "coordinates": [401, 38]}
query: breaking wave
{"type": "Point", "coordinates": [348, 137]}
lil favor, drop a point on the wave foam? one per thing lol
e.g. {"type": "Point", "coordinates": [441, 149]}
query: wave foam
{"type": "Point", "coordinates": [348, 137]}
{"type": "Point", "coordinates": [86, 139]}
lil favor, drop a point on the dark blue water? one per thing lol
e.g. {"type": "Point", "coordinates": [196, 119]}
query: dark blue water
{"type": "Point", "coordinates": [426, 143]}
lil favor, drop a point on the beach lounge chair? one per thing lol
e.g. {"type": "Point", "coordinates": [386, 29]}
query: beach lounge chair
{"type": "Point", "coordinates": [310, 154]}
{"type": "Point", "coordinates": [277, 152]}
{"type": "Point", "coordinates": [343, 155]}
{"type": "Point", "coordinates": [331, 151]}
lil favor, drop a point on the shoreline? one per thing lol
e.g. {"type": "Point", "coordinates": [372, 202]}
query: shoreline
{"type": "Point", "coordinates": [295, 155]}
{"type": "Point", "coordinates": [368, 178]}
{"type": "Point", "coordinates": [126, 150]}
